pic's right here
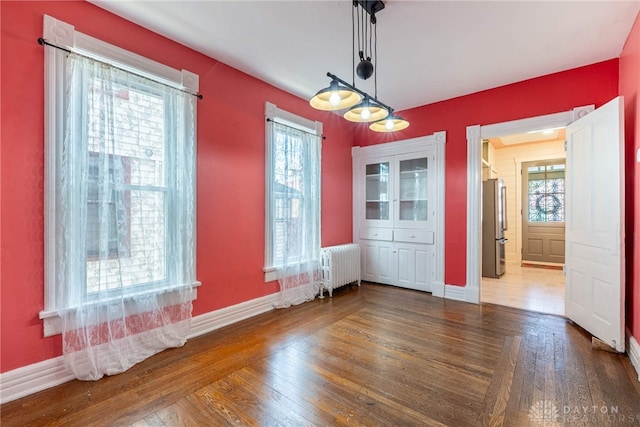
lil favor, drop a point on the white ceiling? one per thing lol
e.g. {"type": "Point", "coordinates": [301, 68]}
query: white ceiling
{"type": "Point", "coordinates": [428, 51]}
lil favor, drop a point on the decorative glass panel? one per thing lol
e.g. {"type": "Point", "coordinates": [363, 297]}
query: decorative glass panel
{"type": "Point", "coordinates": [546, 193]}
{"type": "Point", "coordinates": [377, 191]}
{"type": "Point", "coordinates": [413, 189]}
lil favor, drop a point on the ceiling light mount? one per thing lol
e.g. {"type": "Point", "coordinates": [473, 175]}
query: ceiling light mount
{"type": "Point", "coordinates": [371, 7]}
{"type": "Point", "coordinates": [339, 95]}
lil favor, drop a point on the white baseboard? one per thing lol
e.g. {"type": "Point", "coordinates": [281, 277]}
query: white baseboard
{"type": "Point", "coordinates": [455, 292]}
{"type": "Point", "coordinates": [633, 350]}
{"type": "Point", "coordinates": [49, 373]}
{"type": "Point", "coordinates": [217, 319]}
{"type": "Point", "coordinates": [472, 294]}
{"type": "Point", "coordinates": [458, 293]}
{"type": "Point", "coordinates": [437, 290]}
{"type": "Point", "coordinates": [33, 378]}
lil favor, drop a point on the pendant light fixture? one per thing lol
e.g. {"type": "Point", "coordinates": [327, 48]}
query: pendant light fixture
{"type": "Point", "coordinates": [335, 97]}
{"type": "Point", "coordinates": [391, 123]}
{"type": "Point", "coordinates": [340, 95]}
{"type": "Point", "coordinates": [366, 111]}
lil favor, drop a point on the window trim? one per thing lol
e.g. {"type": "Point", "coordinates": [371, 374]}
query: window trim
{"type": "Point", "coordinates": [64, 35]}
{"type": "Point", "coordinates": [272, 112]}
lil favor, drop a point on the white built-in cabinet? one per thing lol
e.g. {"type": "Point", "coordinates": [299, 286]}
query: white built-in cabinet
{"type": "Point", "coordinates": [398, 198]}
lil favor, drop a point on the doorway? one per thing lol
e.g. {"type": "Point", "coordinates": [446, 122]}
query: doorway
{"type": "Point", "coordinates": [531, 165]}
{"type": "Point", "coordinates": [475, 135]}
{"type": "Point", "coordinates": [594, 262]}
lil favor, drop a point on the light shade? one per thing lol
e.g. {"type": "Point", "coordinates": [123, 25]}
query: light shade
{"type": "Point", "coordinates": [334, 97]}
{"type": "Point", "coordinates": [391, 123]}
{"type": "Point", "coordinates": [365, 112]}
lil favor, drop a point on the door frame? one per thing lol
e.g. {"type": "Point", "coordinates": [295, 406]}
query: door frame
{"type": "Point", "coordinates": [475, 135]}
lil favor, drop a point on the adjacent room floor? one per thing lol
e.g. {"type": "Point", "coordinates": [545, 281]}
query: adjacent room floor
{"type": "Point", "coordinates": [532, 288]}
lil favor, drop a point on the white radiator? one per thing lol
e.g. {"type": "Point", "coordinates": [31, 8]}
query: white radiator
{"type": "Point", "coordinates": [340, 266]}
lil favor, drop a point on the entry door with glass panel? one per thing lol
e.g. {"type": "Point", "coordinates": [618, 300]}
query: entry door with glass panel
{"type": "Point", "coordinates": [543, 190]}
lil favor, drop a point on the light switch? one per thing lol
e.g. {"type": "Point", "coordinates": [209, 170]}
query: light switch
{"type": "Point", "coordinates": [638, 155]}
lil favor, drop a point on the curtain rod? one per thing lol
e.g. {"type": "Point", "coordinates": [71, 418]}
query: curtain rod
{"type": "Point", "coordinates": [43, 42]}
{"type": "Point", "coordinates": [269, 119]}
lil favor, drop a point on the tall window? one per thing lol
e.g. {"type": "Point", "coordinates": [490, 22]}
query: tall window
{"type": "Point", "coordinates": [293, 197]}
{"type": "Point", "coordinates": [120, 207]}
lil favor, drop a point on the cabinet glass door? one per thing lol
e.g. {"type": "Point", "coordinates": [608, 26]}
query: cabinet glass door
{"type": "Point", "coordinates": [377, 191]}
{"type": "Point", "coordinates": [413, 191]}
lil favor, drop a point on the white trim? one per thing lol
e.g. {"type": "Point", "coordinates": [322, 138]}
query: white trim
{"type": "Point", "coordinates": [455, 293]}
{"type": "Point", "coordinates": [633, 350]}
{"type": "Point", "coordinates": [217, 319]}
{"type": "Point", "coordinates": [440, 141]}
{"type": "Point", "coordinates": [271, 111]}
{"type": "Point", "coordinates": [546, 121]}
{"type": "Point", "coordinates": [474, 224]}
{"type": "Point", "coordinates": [53, 322]}
{"type": "Point", "coordinates": [64, 35]}
{"type": "Point", "coordinates": [438, 289]}
{"type": "Point", "coordinates": [49, 373]}
{"type": "Point", "coordinates": [398, 147]}
{"type": "Point", "coordinates": [33, 378]}
{"type": "Point", "coordinates": [459, 293]}
{"type": "Point", "coordinates": [356, 169]}
{"type": "Point", "coordinates": [472, 294]}
{"type": "Point", "coordinates": [475, 134]}
{"type": "Point", "coordinates": [270, 274]}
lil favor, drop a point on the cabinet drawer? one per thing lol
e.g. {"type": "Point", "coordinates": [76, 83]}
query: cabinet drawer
{"type": "Point", "coordinates": [414, 236]}
{"type": "Point", "coordinates": [370, 233]}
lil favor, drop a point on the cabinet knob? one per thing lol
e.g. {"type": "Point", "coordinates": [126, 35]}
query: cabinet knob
{"type": "Point", "coordinates": [375, 235]}
{"type": "Point", "coordinates": [413, 236]}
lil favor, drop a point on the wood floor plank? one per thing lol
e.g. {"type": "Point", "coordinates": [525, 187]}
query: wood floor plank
{"type": "Point", "coordinates": [515, 406]}
{"type": "Point", "coordinates": [389, 371]}
{"type": "Point", "coordinates": [409, 360]}
{"type": "Point", "coordinates": [305, 386]}
{"type": "Point", "coordinates": [452, 351]}
{"type": "Point", "coordinates": [370, 356]}
{"type": "Point", "coordinates": [497, 395]}
{"type": "Point", "coordinates": [182, 413]}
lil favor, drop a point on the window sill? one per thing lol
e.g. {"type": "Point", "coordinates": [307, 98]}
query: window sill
{"type": "Point", "coordinates": [270, 274]}
{"type": "Point", "coordinates": [53, 322]}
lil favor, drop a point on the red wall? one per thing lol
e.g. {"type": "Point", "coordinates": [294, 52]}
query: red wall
{"type": "Point", "coordinates": [630, 89]}
{"type": "Point", "coordinates": [231, 168]}
{"type": "Point", "coordinates": [231, 161]}
{"type": "Point", "coordinates": [593, 84]}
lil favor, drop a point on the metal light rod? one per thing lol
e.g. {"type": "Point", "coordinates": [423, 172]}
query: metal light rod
{"type": "Point", "coordinates": [364, 94]}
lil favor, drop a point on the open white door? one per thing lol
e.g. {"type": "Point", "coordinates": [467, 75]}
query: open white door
{"type": "Point", "coordinates": [595, 223]}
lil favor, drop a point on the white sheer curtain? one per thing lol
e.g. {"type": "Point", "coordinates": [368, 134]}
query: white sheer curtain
{"type": "Point", "coordinates": [124, 218]}
{"type": "Point", "coordinates": [295, 202]}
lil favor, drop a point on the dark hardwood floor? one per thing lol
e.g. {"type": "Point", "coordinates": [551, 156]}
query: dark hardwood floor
{"type": "Point", "coordinates": [370, 356]}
